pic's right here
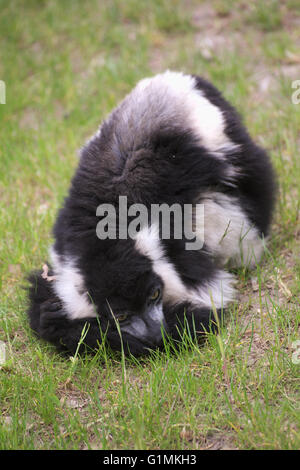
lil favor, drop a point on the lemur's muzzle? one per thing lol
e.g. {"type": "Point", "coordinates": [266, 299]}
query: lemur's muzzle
{"type": "Point", "coordinates": [149, 326]}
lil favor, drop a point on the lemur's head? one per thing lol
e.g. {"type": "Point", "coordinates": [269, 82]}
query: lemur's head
{"type": "Point", "coordinates": [131, 294]}
{"type": "Point", "coordinates": [120, 286]}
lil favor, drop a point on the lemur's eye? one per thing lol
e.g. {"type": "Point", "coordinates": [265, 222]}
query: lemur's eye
{"type": "Point", "coordinates": [155, 295]}
{"type": "Point", "coordinates": [122, 317]}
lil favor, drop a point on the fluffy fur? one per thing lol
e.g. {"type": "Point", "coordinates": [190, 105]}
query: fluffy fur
{"type": "Point", "coordinates": [174, 139]}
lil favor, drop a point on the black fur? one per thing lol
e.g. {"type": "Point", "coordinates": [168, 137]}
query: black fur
{"type": "Point", "coordinates": [49, 322]}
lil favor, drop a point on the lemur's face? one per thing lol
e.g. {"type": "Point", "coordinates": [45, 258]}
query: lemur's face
{"type": "Point", "coordinates": [129, 295]}
{"type": "Point", "coordinates": [137, 308]}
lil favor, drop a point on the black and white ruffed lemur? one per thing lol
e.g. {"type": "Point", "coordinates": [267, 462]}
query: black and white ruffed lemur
{"type": "Point", "coordinates": [175, 140]}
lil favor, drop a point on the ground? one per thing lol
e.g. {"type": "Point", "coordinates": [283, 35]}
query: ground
{"type": "Point", "coordinates": [65, 66]}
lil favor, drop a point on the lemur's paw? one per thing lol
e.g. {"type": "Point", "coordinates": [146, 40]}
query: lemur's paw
{"type": "Point", "coordinates": [51, 305]}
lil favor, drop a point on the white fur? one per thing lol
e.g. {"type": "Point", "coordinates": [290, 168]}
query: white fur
{"type": "Point", "coordinates": [69, 287]}
{"type": "Point", "coordinates": [228, 233]}
{"type": "Point", "coordinates": [217, 292]}
{"type": "Point", "coordinates": [178, 92]}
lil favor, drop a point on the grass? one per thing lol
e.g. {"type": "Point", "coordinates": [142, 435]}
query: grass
{"type": "Point", "coordinates": [65, 65]}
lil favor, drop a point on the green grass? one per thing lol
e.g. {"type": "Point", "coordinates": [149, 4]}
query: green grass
{"type": "Point", "coordinates": [66, 64]}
